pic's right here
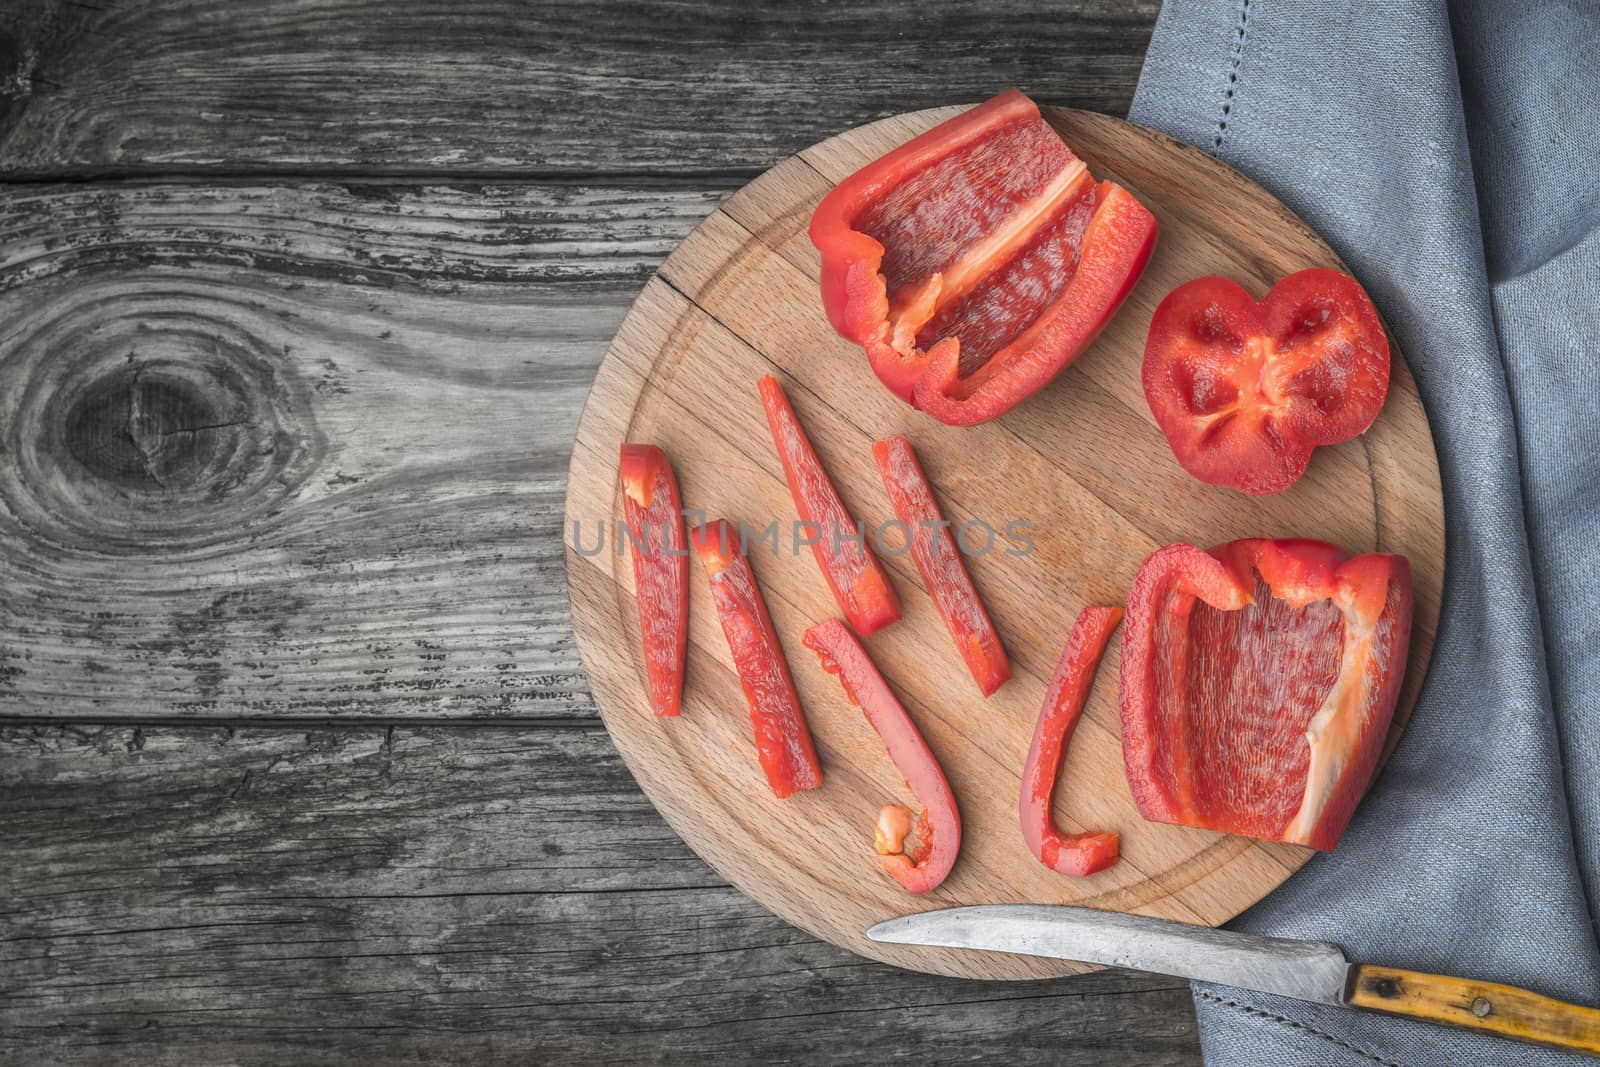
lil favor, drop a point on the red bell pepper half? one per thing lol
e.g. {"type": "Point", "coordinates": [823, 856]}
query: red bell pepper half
{"type": "Point", "coordinates": [654, 514]}
{"type": "Point", "coordinates": [783, 740]}
{"type": "Point", "coordinates": [938, 827]}
{"type": "Point", "coordinates": [1258, 683]}
{"type": "Point", "coordinates": [857, 579]}
{"type": "Point", "coordinates": [1244, 391]}
{"type": "Point", "coordinates": [934, 550]}
{"type": "Point", "coordinates": [977, 261]}
{"type": "Point", "coordinates": [1074, 854]}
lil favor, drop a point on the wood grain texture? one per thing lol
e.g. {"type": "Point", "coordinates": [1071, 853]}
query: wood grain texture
{"type": "Point", "coordinates": [504, 86]}
{"type": "Point", "coordinates": [1083, 462]}
{"type": "Point", "coordinates": [1503, 1010]}
{"type": "Point", "coordinates": [324, 894]}
{"type": "Point", "coordinates": [183, 895]}
{"type": "Point", "coordinates": [300, 450]}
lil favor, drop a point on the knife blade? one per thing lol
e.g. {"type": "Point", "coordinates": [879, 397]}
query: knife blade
{"type": "Point", "coordinates": [1306, 970]}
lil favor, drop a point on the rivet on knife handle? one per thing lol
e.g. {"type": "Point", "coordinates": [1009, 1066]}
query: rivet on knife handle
{"type": "Point", "coordinates": [1498, 1009]}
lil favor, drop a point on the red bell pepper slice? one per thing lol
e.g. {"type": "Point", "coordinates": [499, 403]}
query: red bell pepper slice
{"type": "Point", "coordinates": [938, 827]}
{"type": "Point", "coordinates": [1258, 683]}
{"type": "Point", "coordinates": [1074, 854]}
{"type": "Point", "coordinates": [783, 739]}
{"type": "Point", "coordinates": [934, 550]}
{"type": "Point", "coordinates": [654, 514]}
{"type": "Point", "coordinates": [978, 260]}
{"type": "Point", "coordinates": [857, 579]}
{"type": "Point", "coordinates": [1244, 391]}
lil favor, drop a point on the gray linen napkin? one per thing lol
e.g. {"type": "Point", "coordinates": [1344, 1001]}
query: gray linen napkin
{"type": "Point", "coordinates": [1449, 152]}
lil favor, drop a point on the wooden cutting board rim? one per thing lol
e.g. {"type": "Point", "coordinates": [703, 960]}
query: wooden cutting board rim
{"type": "Point", "coordinates": [621, 602]}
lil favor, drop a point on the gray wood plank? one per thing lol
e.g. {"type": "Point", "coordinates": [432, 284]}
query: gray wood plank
{"type": "Point", "coordinates": [203, 895]}
{"type": "Point", "coordinates": [504, 86]}
{"type": "Point", "coordinates": [300, 450]}
{"type": "Point", "coordinates": [238, 480]}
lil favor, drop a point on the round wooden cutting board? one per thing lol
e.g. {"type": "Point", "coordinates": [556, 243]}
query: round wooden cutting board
{"type": "Point", "coordinates": [1082, 463]}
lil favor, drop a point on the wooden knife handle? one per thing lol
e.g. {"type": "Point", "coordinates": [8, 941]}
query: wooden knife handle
{"type": "Point", "coordinates": [1497, 1009]}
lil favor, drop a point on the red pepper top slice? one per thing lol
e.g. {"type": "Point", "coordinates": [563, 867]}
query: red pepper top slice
{"type": "Point", "coordinates": [1244, 391]}
{"type": "Point", "coordinates": [852, 572]}
{"type": "Point", "coordinates": [1258, 683]}
{"type": "Point", "coordinates": [783, 738]}
{"type": "Point", "coordinates": [981, 250]}
{"type": "Point", "coordinates": [939, 562]}
{"type": "Point", "coordinates": [653, 511]}
{"type": "Point", "coordinates": [938, 828]}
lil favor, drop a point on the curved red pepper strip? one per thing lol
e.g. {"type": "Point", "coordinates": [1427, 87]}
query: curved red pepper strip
{"type": "Point", "coordinates": [940, 564]}
{"type": "Point", "coordinates": [654, 514]}
{"type": "Point", "coordinates": [853, 573]}
{"type": "Point", "coordinates": [783, 739]}
{"type": "Point", "coordinates": [938, 827]}
{"type": "Point", "coordinates": [1074, 854]}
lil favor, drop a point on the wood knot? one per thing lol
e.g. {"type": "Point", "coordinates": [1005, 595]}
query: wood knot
{"type": "Point", "coordinates": [144, 427]}
{"type": "Point", "coordinates": [157, 431]}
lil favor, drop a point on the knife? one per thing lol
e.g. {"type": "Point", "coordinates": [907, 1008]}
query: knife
{"type": "Point", "coordinates": [1305, 970]}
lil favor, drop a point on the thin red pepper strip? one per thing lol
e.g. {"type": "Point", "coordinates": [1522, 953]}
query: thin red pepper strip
{"type": "Point", "coordinates": [1074, 854]}
{"type": "Point", "coordinates": [654, 514]}
{"type": "Point", "coordinates": [934, 550]}
{"type": "Point", "coordinates": [983, 245]}
{"type": "Point", "coordinates": [853, 573]}
{"type": "Point", "coordinates": [938, 827]}
{"type": "Point", "coordinates": [1258, 683]}
{"type": "Point", "coordinates": [783, 739]}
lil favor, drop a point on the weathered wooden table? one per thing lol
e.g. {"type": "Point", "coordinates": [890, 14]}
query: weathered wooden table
{"type": "Point", "coordinates": [299, 301]}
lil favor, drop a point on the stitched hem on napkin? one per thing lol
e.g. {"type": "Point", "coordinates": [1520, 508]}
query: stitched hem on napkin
{"type": "Point", "coordinates": [1257, 1013]}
